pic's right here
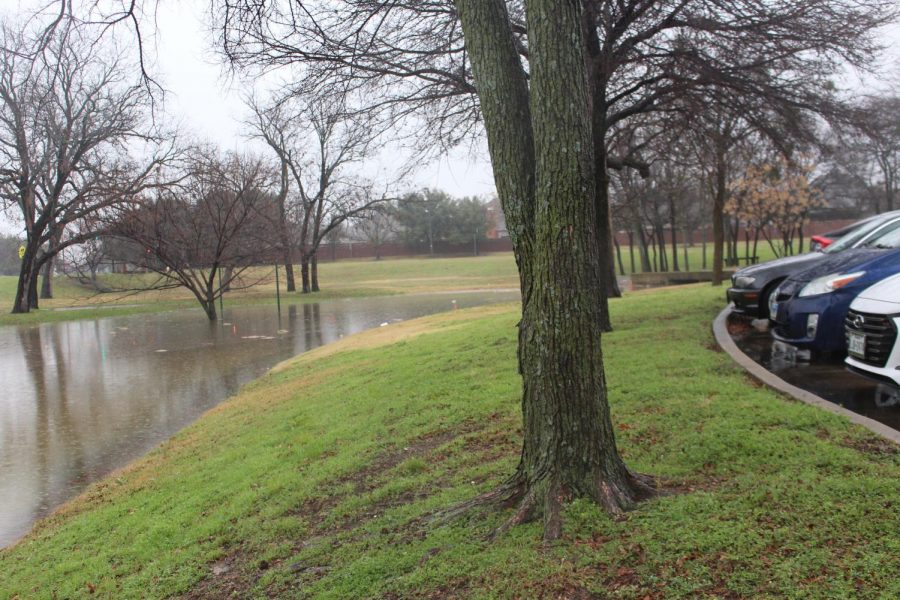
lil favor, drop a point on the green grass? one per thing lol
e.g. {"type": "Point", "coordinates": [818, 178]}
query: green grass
{"type": "Point", "coordinates": [338, 280]}
{"type": "Point", "coordinates": [317, 481]}
{"type": "Point", "coordinates": [695, 257]}
{"type": "Point", "coordinates": [351, 278]}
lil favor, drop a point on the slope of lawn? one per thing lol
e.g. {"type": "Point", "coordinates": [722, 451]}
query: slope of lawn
{"type": "Point", "coordinates": [319, 479]}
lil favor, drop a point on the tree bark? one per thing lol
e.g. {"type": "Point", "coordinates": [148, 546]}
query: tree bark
{"type": "Point", "coordinates": [631, 252]}
{"type": "Point", "coordinates": [314, 273]}
{"type": "Point", "coordinates": [598, 77]}
{"type": "Point", "coordinates": [304, 274]}
{"type": "Point", "coordinates": [674, 239]}
{"type": "Point", "coordinates": [46, 281]}
{"type": "Point", "coordinates": [718, 217]}
{"type": "Point", "coordinates": [619, 257]}
{"type": "Point", "coordinates": [290, 281]}
{"type": "Point", "coordinates": [26, 294]}
{"type": "Point", "coordinates": [569, 445]}
{"type": "Point", "coordinates": [646, 267]}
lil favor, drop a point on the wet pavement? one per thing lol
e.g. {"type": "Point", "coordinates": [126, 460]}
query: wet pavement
{"type": "Point", "coordinates": [79, 399]}
{"type": "Point", "coordinates": [826, 377]}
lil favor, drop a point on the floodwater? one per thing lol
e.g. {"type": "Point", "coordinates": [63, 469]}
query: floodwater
{"type": "Point", "coordinates": [826, 377]}
{"type": "Point", "coordinates": [82, 398]}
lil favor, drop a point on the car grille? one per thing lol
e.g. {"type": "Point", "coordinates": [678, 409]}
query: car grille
{"type": "Point", "coordinates": [880, 335]}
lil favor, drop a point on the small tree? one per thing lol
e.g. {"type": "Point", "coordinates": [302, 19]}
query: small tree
{"type": "Point", "coordinates": [776, 194]}
{"type": "Point", "coordinates": [316, 141]}
{"type": "Point", "coordinates": [204, 233]}
{"type": "Point", "coordinates": [377, 227]}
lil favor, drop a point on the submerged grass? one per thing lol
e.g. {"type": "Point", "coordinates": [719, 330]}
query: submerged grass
{"type": "Point", "coordinates": [318, 480]}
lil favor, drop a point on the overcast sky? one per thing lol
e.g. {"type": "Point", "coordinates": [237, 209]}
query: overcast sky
{"type": "Point", "coordinates": [207, 103]}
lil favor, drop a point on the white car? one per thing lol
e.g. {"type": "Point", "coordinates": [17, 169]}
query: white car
{"type": "Point", "coordinates": [871, 327]}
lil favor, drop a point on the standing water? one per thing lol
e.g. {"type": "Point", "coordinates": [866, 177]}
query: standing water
{"type": "Point", "coordinates": [82, 398]}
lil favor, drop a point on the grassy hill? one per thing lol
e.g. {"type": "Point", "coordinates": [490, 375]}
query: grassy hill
{"type": "Point", "coordinates": [319, 480]}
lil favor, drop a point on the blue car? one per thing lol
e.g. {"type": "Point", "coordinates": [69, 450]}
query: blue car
{"type": "Point", "coordinates": [809, 307]}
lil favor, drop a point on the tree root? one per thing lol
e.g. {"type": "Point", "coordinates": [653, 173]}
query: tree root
{"type": "Point", "coordinates": [548, 497]}
{"type": "Point", "coordinates": [506, 496]}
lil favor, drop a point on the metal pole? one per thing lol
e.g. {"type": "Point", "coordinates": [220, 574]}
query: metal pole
{"type": "Point", "coordinates": [277, 290]}
{"type": "Point", "coordinates": [221, 296]}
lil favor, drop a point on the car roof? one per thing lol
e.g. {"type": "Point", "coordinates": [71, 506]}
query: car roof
{"type": "Point", "coordinates": [848, 228]}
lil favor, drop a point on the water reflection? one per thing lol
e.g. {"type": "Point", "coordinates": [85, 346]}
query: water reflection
{"type": "Point", "coordinates": [825, 377]}
{"type": "Point", "coordinates": [82, 398]}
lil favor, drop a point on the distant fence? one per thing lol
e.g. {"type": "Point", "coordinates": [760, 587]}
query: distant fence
{"type": "Point", "coordinates": [349, 250]}
{"type": "Point", "coordinates": [329, 251]}
{"type": "Point", "coordinates": [698, 236]}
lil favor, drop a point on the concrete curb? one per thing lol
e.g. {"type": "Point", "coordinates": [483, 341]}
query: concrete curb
{"type": "Point", "coordinates": [723, 339]}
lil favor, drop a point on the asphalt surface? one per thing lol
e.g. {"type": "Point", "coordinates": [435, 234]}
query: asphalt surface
{"type": "Point", "coordinates": [826, 377]}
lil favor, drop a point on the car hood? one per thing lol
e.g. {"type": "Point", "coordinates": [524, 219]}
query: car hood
{"type": "Point", "coordinates": [781, 266]}
{"type": "Point", "coordinates": [841, 262]}
{"type": "Point", "coordinates": [886, 290]}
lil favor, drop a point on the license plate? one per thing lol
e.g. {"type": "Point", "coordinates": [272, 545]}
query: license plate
{"type": "Point", "coordinates": [856, 344]}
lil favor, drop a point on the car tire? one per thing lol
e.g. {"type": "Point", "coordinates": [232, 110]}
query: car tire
{"type": "Point", "coordinates": [763, 307]}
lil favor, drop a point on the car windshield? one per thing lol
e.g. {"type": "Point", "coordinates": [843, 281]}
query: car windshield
{"type": "Point", "coordinates": [864, 231]}
{"type": "Point", "coordinates": [888, 238]}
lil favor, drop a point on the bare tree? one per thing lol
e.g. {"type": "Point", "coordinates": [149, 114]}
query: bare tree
{"type": "Point", "coordinates": [72, 140]}
{"type": "Point", "coordinates": [317, 143]}
{"type": "Point", "coordinates": [875, 137]}
{"type": "Point", "coordinates": [761, 58]}
{"type": "Point", "coordinates": [205, 232]}
{"type": "Point", "coordinates": [410, 55]}
{"type": "Point", "coordinates": [377, 227]}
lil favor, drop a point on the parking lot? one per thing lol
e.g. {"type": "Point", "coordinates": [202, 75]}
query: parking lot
{"type": "Point", "coordinates": [826, 377]}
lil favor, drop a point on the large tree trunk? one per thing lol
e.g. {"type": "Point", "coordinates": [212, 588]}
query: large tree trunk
{"type": "Point", "coordinates": [569, 447]}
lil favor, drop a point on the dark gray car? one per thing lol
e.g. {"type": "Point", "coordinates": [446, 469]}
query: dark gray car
{"type": "Point", "coordinates": [751, 286]}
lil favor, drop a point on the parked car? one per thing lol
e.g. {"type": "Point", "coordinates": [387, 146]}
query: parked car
{"type": "Point", "coordinates": [809, 307]}
{"type": "Point", "coordinates": [752, 287]}
{"type": "Point", "coordinates": [871, 328]}
{"type": "Point", "coordinates": [823, 240]}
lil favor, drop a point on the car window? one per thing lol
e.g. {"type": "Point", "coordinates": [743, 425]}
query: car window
{"type": "Point", "coordinates": [863, 235]}
{"type": "Point", "coordinates": [889, 237]}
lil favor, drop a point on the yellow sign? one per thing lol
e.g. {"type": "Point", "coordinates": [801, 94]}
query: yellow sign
{"type": "Point", "coordinates": [21, 252]}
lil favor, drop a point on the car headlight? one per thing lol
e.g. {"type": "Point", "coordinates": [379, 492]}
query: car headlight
{"type": "Point", "coordinates": [829, 283]}
{"type": "Point", "coordinates": [743, 281]}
